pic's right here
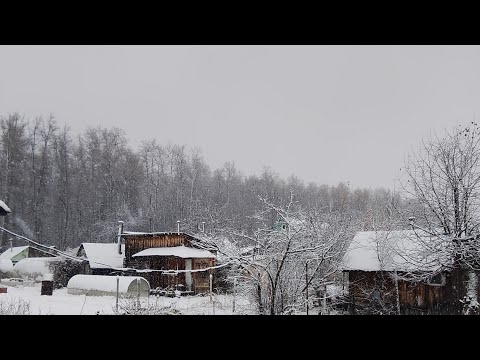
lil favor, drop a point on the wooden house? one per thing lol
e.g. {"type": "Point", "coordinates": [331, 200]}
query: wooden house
{"type": "Point", "coordinates": [177, 255]}
{"type": "Point", "coordinates": [374, 276]}
{"type": "Point", "coordinates": [17, 253]}
{"type": "Point", "coordinates": [101, 258]}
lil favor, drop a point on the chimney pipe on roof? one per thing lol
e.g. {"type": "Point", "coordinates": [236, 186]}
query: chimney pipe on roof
{"type": "Point", "coordinates": [11, 244]}
{"type": "Point", "coordinates": [411, 220]}
{"type": "Point", "coordinates": [203, 226]}
{"type": "Point", "coordinates": [178, 227]}
{"type": "Point", "coordinates": [119, 236]}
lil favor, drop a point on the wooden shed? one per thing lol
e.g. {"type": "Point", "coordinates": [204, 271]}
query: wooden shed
{"type": "Point", "coordinates": [177, 255]}
{"type": "Point", "coordinates": [102, 258]}
{"type": "Point", "coordinates": [375, 283]}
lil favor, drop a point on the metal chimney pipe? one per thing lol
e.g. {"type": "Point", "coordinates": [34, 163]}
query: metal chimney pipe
{"type": "Point", "coordinates": [411, 220]}
{"type": "Point", "coordinates": [119, 236]}
{"type": "Point", "coordinates": [178, 227]}
{"type": "Point", "coordinates": [203, 226]}
{"type": "Point", "coordinates": [11, 244]}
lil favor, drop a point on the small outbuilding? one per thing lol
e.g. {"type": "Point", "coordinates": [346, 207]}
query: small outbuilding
{"type": "Point", "coordinates": [17, 253]}
{"type": "Point", "coordinates": [103, 258]}
{"type": "Point", "coordinates": [374, 270]}
{"type": "Point", "coordinates": [104, 285]}
{"type": "Point", "coordinates": [170, 260]}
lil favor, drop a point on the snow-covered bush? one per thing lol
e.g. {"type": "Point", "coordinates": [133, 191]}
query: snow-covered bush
{"type": "Point", "coordinates": [6, 268]}
{"type": "Point", "coordinates": [64, 270]}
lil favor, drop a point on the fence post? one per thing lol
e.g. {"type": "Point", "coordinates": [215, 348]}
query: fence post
{"type": "Point", "coordinates": [211, 294]}
{"type": "Point", "coordinates": [234, 293]}
{"type": "Point", "coordinates": [138, 293]}
{"type": "Point", "coordinates": [118, 286]}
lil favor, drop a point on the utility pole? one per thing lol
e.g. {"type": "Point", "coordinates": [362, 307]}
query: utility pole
{"type": "Point", "coordinates": [119, 236]}
{"type": "Point", "coordinates": [211, 293]}
{"type": "Point", "coordinates": [306, 282]}
{"type": "Point", "coordinates": [234, 293]}
{"type": "Point", "coordinates": [116, 301]}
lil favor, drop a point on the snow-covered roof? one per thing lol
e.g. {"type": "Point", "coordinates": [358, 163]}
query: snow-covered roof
{"type": "Point", "coordinates": [180, 251]}
{"type": "Point", "coordinates": [12, 252]}
{"type": "Point", "coordinates": [106, 283]}
{"type": "Point", "coordinates": [102, 255]}
{"type": "Point", "coordinates": [402, 250]}
{"type": "Point", "coordinates": [35, 265]}
{"type": "Point", "coordinates": [154, 233]}
{"type": "Point", "coordinates": [5, 207]}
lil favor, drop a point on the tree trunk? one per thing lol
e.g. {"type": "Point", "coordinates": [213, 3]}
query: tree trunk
{"type": "Point", "coordinates": [470, 302]}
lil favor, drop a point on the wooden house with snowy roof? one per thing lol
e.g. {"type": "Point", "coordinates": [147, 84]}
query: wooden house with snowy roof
{"type": "Point", "coordinates": [101, 258]}
{"type": "Point", "coordinates": [17, 253]}
{"type": "Point", "coordinates": [169, 260]}
{"type": "Point", "coordinates": [375, 268]}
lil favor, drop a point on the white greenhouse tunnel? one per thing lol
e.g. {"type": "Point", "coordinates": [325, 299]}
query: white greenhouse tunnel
{"type": "Point", "coordinates": [101, 285]}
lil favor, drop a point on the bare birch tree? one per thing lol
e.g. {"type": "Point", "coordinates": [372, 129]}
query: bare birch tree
{"type": "Point", "coordinates": [444, 177]}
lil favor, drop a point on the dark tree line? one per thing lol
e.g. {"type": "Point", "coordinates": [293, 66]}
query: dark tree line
{"type": "Point", "coordinates": [65, 189]}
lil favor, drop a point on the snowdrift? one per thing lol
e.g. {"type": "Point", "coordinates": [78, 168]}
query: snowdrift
{"type": "Point", "coordinates": [34, 268]}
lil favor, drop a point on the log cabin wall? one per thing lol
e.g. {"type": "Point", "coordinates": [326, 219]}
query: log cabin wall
{"type": "Point", "coordinates": [156, 278]}
{"type": "Point", "coordinates": [201, 279]}
{"type": "Point", "coordinates": [414, 297]}
{"type": "Point", "coordinates": [136, 243]}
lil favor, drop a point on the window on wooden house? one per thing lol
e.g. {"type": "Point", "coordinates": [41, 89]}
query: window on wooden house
{"type": "Point", "coordinates": [375, 296]}
{"type": "Point", "coordinates": [437, 280]}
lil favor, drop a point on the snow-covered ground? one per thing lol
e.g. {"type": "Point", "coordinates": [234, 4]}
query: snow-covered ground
{"type": "Point", "coordinates": [62, 303]}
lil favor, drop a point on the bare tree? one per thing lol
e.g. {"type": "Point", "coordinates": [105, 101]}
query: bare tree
{"type": "Point", "coordinates": [444, 177]}
{"type": "Point", "coordinates": [277, 265]}
{"type": "Point", "coordinates": [13, 141]}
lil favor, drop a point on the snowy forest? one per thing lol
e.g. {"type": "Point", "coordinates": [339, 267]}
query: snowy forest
{"type": "Point", "coordinates": [65, 188]}
{"type": "Point", "coordinates": [246, 180]}
{"type": "Point", "coordinates": [280, 243]}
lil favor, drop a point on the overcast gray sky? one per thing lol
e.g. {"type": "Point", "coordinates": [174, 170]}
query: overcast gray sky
{"type": "Point", "coordinates": [324, 113]}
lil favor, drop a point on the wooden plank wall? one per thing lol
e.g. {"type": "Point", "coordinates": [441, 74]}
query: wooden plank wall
{"type": "Point", "coordinates": [135, 244]}
{"type": "Point", "coordinates": [201, 279]}
{"type": "Point", "coordinates": [414, 298]}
